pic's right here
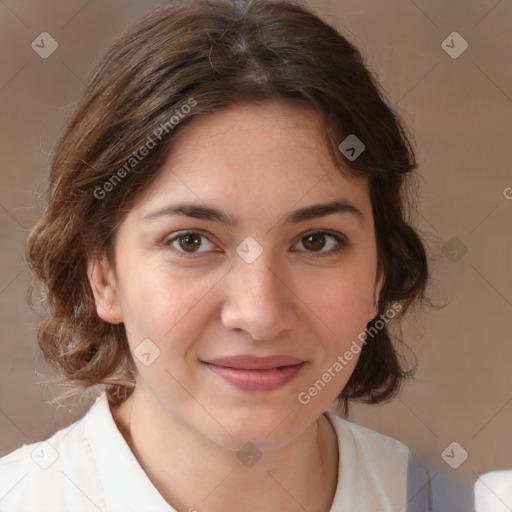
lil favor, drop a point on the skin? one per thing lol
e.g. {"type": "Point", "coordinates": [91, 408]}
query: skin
{"type": "Point", "coordinates": [184, 423]}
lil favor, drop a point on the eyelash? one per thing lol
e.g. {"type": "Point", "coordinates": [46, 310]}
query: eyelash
{"type": "Point", "coordinates": [342, 243]}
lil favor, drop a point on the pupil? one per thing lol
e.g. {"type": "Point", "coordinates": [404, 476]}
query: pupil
{"type": "Point", "coordinates": [318, 238]}
{"type": "Point", "coordinates": [193, 239]}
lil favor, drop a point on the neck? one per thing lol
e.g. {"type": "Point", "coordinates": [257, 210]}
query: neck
{"type": "Point", "coordinates": [191, 472]}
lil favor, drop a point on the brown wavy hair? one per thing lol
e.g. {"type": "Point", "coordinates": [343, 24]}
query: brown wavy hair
{"type": "Point", "coordinates": [219, 53]}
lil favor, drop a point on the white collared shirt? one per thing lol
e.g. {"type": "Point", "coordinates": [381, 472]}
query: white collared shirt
{"type": "Point", "coordinates": [89, 467]}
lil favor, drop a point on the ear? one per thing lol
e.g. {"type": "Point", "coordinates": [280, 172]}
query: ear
{"type": "Point", "coordinates": [376, 293]}
{"type": "Point", "coordinates": [103, 283]}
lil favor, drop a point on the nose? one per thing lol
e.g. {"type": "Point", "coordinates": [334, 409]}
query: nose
{"type": "Point", "coordinates": [259, 299]}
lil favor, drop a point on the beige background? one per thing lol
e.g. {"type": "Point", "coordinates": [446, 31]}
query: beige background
{"type": "Point", "coordinates": [461, 112]}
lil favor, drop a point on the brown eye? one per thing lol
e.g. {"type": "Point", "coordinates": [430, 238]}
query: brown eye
{"type": "Point", "coordinates": [314, 242]}
{"type": "Point", "coordinates": [189, 242]}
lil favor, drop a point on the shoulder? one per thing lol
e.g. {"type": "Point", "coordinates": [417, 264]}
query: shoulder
{"type": "Point", "coordinates": [60, 470]}
{"type": "Point", "coordinates": [391, 465]}
{"type": "Point", "coordinates": [371, 461]}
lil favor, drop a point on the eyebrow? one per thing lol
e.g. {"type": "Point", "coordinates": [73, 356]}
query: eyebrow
{"type": "Point", "coordinates": [205, 212]}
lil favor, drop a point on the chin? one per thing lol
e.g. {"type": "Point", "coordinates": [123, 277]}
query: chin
{"type": "Point", "coordinates": [265, 431]}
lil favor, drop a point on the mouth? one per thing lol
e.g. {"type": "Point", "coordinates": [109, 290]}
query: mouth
{"type": "Point", "coordinates": [250, 373]}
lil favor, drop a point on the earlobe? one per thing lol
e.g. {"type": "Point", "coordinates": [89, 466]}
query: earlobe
{"type": "Point", "coordinates": [374, 310]}
{"type": "Point", "coordinates": [103, 285]}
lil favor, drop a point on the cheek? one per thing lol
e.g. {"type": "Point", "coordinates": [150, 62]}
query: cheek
{"type": "Point", "coordinates": [172, 314]}
{"type": "Point", "coordinates": [163, 307]}
{"type": "Point", "coordinates": [343, 303]}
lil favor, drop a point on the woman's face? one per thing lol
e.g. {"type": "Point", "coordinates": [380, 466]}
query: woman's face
{"type": "Point", "coordinates": [209, 316]}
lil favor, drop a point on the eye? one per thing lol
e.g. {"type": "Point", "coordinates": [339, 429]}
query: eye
{"type": "Point", "coordinates": [188, 243]}
{"type": "Point", "coordinates": [314, 242]}
{"type": "Point", "coordinates": [319, 244]}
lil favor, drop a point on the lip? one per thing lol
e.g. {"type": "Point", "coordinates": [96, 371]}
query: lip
{"type": "Point", "coordinates": [251, 373]}
{"type": "Point", "coordinates": [247, 362]}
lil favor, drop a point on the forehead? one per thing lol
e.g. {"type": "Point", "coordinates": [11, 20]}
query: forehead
{"type": "Point", "coordinates": [248, 132]}
{"type": "Point", "coordinates": [265, 154]}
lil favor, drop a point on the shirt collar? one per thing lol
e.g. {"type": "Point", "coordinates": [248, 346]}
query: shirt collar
{"type": "Point", "coordinates": [125, 483]}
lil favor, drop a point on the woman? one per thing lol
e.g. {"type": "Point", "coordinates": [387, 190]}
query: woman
{"type": "Point", "coordinates": [224, 254]}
